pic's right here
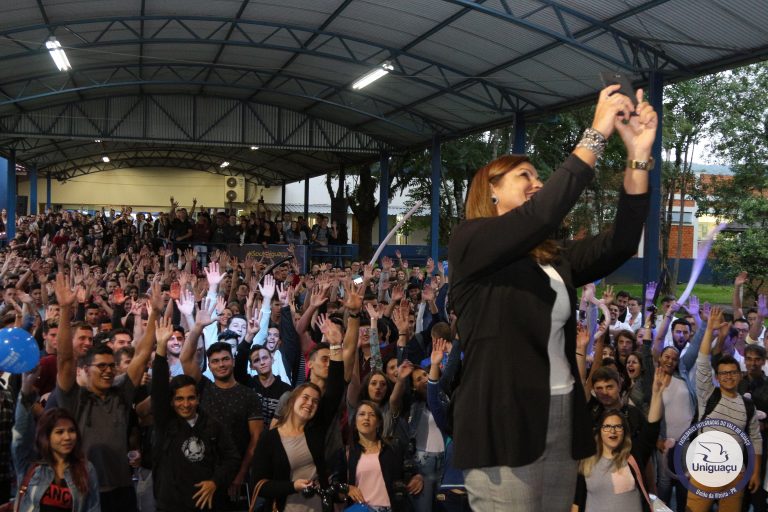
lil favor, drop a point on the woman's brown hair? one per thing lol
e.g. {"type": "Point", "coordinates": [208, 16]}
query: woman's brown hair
{"type": "Point", "coordinates": [480, 203]}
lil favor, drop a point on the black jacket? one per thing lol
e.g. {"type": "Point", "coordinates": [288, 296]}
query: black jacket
{"type": "Point", "coordinates": [504, 301]}
{"type": "Point", "coordinates": [186, 455]}
{"type": "Point", "coordinates": [270, 460]}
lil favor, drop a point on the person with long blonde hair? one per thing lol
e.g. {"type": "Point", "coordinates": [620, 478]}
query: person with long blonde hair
{"type": "Point", "coordinates": [513, 290]}
{"type": "Point", "coordinates": [609, 480]}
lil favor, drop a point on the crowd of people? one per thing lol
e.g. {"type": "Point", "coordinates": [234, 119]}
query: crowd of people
{"type": "Point", "coordinates": [173, 378]}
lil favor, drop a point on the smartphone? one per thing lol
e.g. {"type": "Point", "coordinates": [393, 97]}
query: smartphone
{"type": "Point", "coordinates": [358, 280]}
{"type": "Point", "coordinates": [612, 78]}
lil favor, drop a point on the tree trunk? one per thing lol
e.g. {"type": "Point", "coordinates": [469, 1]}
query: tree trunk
{"type": "Point", "coordinates": [365, 209]}
{"type": "Point", "coordinates": [676, 266]}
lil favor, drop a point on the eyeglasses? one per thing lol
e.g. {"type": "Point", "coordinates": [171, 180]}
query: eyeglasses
{"type": "Point", "coordinates": [103, 366]}
{"type": "Point", "coordinates": [612, 428]}
{"type": "Point", "coordinates": [742, 330]}
{"type": "Point", "coordinates": [729, 373]}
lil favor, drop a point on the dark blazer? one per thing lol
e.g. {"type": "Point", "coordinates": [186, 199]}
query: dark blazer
{"type": "Point", "coordinates": [270, 460]}
{"type": "Point", "coordinates": [504, 301]}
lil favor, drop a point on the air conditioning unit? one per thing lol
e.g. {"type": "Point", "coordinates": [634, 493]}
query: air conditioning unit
{"type": "Point", "coordinates": [234, 189]}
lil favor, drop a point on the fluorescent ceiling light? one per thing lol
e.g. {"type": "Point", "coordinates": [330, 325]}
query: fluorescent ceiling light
{"type": "Point", "coordinates": [372, 76]}
{"type": "Point", "coordinates": [105, 159]}
{"type": "Point", "coordinates": [57, 54]}
{"type": "Point", "coordinates": [224, 164]}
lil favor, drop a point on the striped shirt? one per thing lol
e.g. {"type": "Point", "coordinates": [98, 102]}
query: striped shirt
{"type": "Point", "coordinates": [729, 409]}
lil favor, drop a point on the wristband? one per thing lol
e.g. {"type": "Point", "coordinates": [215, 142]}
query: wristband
{"type": "Point", "coordinates": [335, 347]}
{"type": "Point", "coordinates": [594, 141]}
{"type": "Point", "coordinates": [579, 354]}
{"type": "Point", "coordinates": [354, 315]}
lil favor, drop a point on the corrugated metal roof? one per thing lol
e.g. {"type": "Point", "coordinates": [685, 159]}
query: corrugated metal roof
{"type": "Point", "coordinates": [459, 66]}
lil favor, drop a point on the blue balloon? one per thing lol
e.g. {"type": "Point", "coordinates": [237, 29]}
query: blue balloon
{"type": "Point", "coordinates": [18, 350]}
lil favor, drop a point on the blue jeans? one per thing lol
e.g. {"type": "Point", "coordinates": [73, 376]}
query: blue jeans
{"type": "Point", "coordinates": [431, 470]}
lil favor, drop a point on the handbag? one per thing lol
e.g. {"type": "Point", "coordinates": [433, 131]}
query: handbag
{"type": "Point", "coordinates": [654, 502]}
{"type": "Point", "coordinates": [13, 505]}
{"type": "Point", "coordinates": [255, 495]}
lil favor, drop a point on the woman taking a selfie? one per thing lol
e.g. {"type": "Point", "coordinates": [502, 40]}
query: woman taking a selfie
{"type": "Point", "coordinates": [513, 289]}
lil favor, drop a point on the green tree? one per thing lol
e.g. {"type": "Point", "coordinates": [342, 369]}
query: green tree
{"type": "Point", "coordinates": [688, 108]}
{"type": "Point", "coordinates": [740, 134]}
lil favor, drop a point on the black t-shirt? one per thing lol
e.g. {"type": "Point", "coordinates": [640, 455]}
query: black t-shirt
{"type": "Point", "coordinates": [180, 228]}
{"type": "Point", "coordinates": [56, 498]}
{"type": "Point", "coordinates": [233, 407]}
{"type": "Point", "coordinates": [269, 397]}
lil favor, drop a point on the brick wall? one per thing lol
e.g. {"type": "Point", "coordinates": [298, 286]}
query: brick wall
{"type": "Point", "coordinates": [687, 247]}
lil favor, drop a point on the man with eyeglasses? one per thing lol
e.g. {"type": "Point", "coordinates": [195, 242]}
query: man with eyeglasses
{"type": "Point", "coordinates": [755, 383]}
{"type": "Point", "coordinates": [102, 405]}
{"type": "Point", "coordinates": [725, 403]}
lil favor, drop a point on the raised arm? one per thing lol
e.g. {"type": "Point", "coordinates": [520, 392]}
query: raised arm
{"type": "Point", "coordinates": [353, 304]}
{"type": "Point", "coordinates": [738, 289]}
{"type": "Point", "coordinates": [161, 374]}
{"type": "Point", "coordinates": [187, 356]}
{"type": "Point", "coordinates": [144, 348]}
{"type": "Point", "coordinates": [65, 359]}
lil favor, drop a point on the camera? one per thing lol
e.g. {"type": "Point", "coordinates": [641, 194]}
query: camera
{"type": "Point", "coordinates": [327, 494]}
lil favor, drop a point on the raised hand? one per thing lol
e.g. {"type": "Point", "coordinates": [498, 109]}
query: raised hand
{"type": "Point", "coordinates": [741, 279]}
{"type": "Point", "coordinates": [762, 306]}
{"type": "Point", "coordinates": [186, 303]}
{"type": "Point", "coordinates": [398, 293]}
{"type": "Point", "coordinates": [650, 291]}
{"type": "Point", "coordinates": [608, 295]}
{"type": "Point", "coordinates": [118, 296]}
{"type": "Point", "coordinates": [640, 131]}
{"type": "Point", "coordinates": [367, 273]}
{"type": "Point", "coordinates": [353, 297]}
{"type": "Point", "coordinates": [404, 370]}
{"type": "Point", "coordinates": [213, 275]}
{"type": "Point", "coordinates": [438, 351]}
{"type": "Point", "coordinates": [254, 324]}
{"type": "Point", "coordinates": [283, 292]}
{"type": "Point", "coordinates": [400, 317]}
{"type": "Point", "coordinates": [582, 337]}
{"type": "Point", "coordinates": [693, 305]}
{"type": "Point", "coordinates": [156, 296]}
{"type": "Point", "coordinates": [220, 305]}
{"type": "Point", "coordinates": [372, 313]}
{"type": "Point", "coordinates": [610, 107]}
{"type": "Point", "coordinates": [386, 264]}
{"type": "Point", "coordinates": [330, 330]}
{"type": "Point", "coordinates": [203, 316]}
{"type": "Point", "coordinates": [661, 380]}
{"type": "Point", "coordinates": [175, 291]}
{"type": "Point", "coordinates": [267, 289]}
{"type": "Point", "coordinates": [163, 332]}
{"type": "Point", "coordinates": [430, 266]}
{"type": "Point", "coordinates": [318, 297]}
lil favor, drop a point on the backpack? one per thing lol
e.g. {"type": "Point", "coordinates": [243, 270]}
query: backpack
{"type": "Point", "coordinates": [714, 399]}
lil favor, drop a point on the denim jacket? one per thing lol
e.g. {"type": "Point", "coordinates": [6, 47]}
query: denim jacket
{"type": "Point", "coordinates": [417, 410]}
{"type": "Point", "coordinates": [23, 451]}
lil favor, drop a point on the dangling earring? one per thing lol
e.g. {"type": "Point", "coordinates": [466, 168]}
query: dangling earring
{"type": "Point", "coordinates": [494, 200]}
